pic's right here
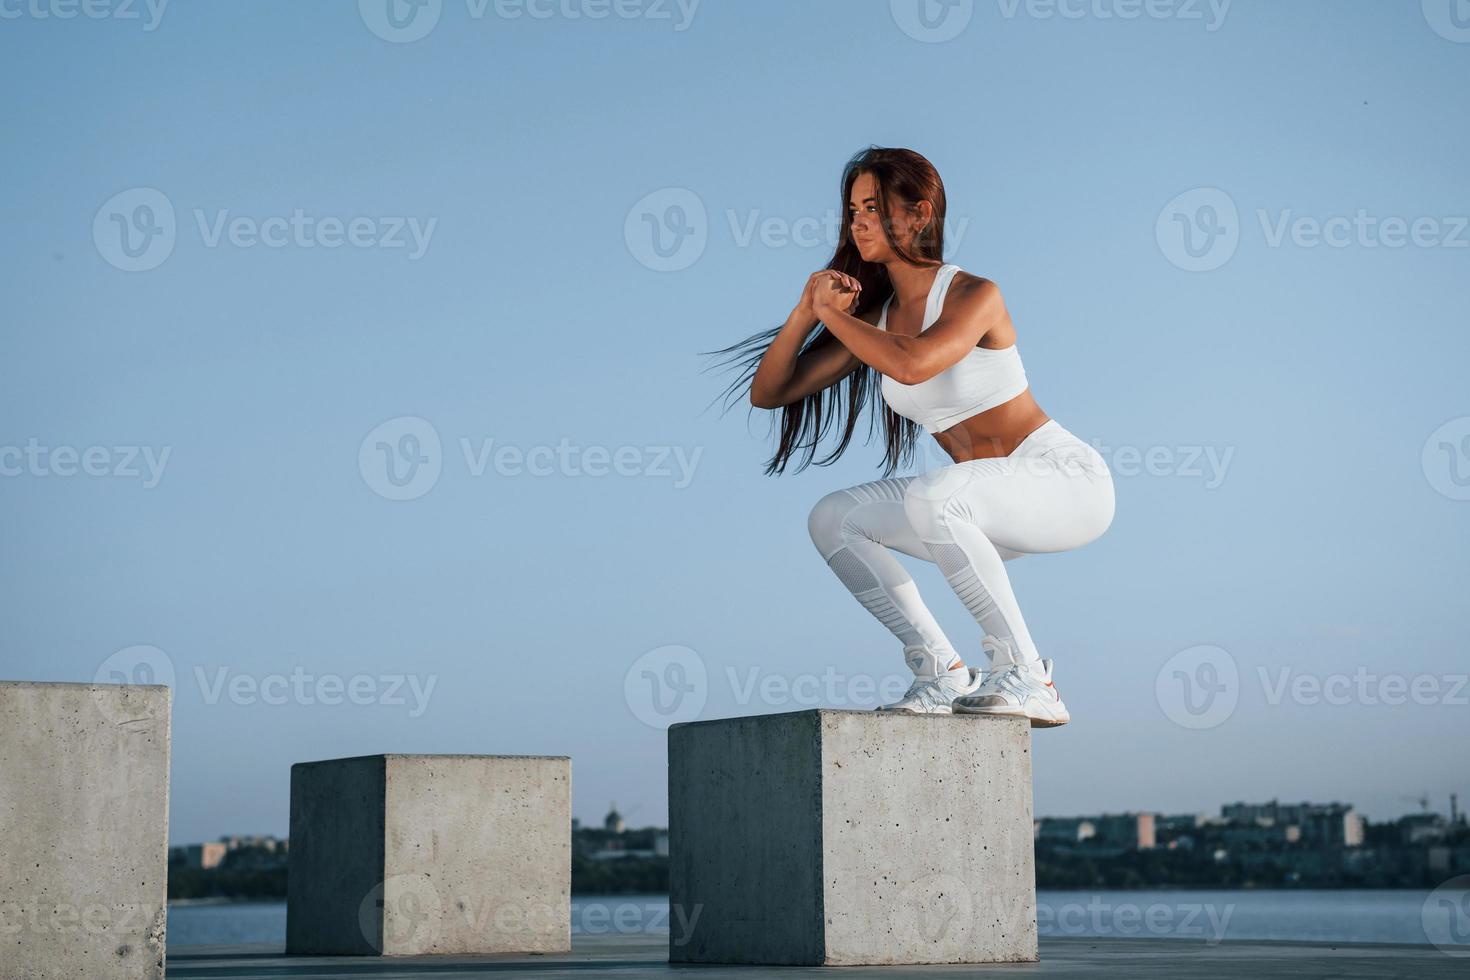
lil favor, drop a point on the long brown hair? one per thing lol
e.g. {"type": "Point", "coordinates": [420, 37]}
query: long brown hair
{"type": "Point", "coordinates": [904, 178]}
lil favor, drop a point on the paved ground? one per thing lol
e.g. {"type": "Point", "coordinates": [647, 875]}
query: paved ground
{"type": "Point", "coordinates": [645, 956]}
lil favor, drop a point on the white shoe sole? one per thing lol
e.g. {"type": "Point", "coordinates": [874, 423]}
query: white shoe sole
{"type": "Point", "coordinates": [1016, 712]}
{"type": "Point", "coordinates": [912, 711]}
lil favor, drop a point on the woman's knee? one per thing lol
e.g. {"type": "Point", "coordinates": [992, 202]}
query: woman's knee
{"type": "Point", "coordinates": [825, 521]}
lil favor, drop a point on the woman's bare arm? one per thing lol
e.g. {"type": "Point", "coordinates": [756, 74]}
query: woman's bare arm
{"type": "Point", "coordinates": [784, 374]}
{"type": "Point", "coordinates": [789, 377]}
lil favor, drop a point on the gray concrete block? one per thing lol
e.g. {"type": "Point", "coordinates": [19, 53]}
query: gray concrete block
{"type": "Point", "coordinates": [851, 838]}
{"type": "Point", "coordinates": [430, 854]}
{"type": "Point", "coordinates": [83, 830]}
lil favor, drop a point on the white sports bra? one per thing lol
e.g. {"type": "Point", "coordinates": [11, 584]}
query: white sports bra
{"type": "Point", "coordinates": [979, 381]}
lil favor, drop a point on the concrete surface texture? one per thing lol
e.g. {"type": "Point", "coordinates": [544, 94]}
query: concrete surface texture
{"type": "Point", "coordinates": [83, 830]}
{"type": "Point", "coordinates": [1061, 959]}
{"type": "Point", "coordinates": [851, 838]}
{"type": "Point", "coordinates": [430, 854]}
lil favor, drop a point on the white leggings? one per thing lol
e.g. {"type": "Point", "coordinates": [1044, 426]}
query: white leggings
{"type": "Point", "coordinates": [1052, 493]}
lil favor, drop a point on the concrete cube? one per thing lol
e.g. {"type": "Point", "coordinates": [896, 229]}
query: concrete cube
{"type": "Point", "coordinates": [428, 854]}
{"type": "Point", "coordinates": [83, 830]}
{"type": "Point", "coordinates": [851, 838]}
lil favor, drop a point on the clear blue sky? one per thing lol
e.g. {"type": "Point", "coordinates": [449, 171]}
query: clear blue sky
{"type": "Point", "coordinates": [1329, 544]}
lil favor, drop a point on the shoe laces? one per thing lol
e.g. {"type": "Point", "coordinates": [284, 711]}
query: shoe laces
{"type": "Point", "coordinates": [929, 691]}
{"type": "Point", "coordinates": [1011, 678]}
{"type": "Point", "coordinates": [925, 690]}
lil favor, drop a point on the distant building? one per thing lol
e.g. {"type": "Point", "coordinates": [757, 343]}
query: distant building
{"type": "Point", "coordinates": [1318, 824]}
{"type": "Point", "coordinates": [1178, 830]}
{"type": "Point", "coordinates": [613, 822]}
{"type": "Point", "coordinates": [1123, 831]}
{"type": "Point", "coordinates": [1133, 831]}
{"type": "Point", "coordinates": [200, 857]}
{"type": "Point", "coordinates": [1422, 828]}
{"type": "Point", "coordinates": [237, 852]}
{"type": "Point", "coordinates": [264, 842]}
{"type": "Point", "coordinates": [1063, 830]}
{"type": "Point", "coordinates": [1252, 835]}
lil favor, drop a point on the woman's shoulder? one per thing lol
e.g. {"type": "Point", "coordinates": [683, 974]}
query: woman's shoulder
{"type": "Point", "coordinates": [971, 281]}
{"type": "Point", "coordinates": [969, 288]}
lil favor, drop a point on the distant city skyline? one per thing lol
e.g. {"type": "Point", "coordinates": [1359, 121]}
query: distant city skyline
{"type": "Point", "coordinates": [1451, 814]}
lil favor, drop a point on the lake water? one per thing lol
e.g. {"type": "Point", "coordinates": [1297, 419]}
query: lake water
{"type": "Point", "coordinates": [1377, 916]}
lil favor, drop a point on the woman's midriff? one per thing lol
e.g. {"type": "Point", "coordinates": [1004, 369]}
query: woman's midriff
{"type": "Point", "coordinates": [994, 432]}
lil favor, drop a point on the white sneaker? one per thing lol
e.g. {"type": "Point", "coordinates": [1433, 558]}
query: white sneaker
{"type": "Point", "coordinates": [933, 689]}
{"type": "Point", "coordinates": [1016, 689]}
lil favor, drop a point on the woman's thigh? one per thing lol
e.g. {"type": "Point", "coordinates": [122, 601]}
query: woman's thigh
{"type": "Point", "coordinates": [1025, 505]}
{"type": "Point", "coordinates": [879, 514]}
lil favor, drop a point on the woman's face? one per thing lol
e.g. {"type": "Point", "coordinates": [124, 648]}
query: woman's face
{"type": "Point", "coordinates": [866, 227]}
